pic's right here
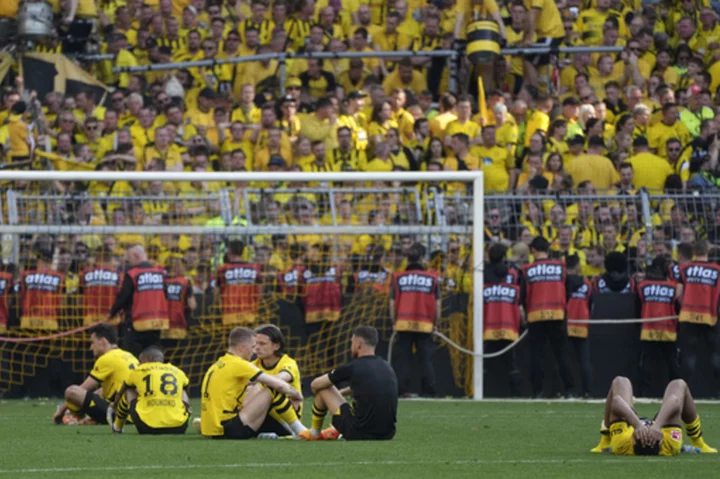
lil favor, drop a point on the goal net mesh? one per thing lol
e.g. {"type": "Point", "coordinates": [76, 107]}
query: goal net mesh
{"type": "Point", "coordinates": [362, 231]}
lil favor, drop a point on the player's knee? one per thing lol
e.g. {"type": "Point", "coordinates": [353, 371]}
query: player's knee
{"type": "Point", "coordinates": [677, 384]}
{"type": "Point", "coordinates": [74, 395]}
{"type": "Point", "coordinates": [621, 381]}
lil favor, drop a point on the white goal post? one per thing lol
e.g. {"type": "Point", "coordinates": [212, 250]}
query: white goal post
{"type": "Point", "coordinates": [469, 177]}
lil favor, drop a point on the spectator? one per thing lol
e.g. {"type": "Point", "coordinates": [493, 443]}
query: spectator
{"type": "Point", "coordinates": [593, 166]}
{"type": "Point", "coordinates": [650, 171]}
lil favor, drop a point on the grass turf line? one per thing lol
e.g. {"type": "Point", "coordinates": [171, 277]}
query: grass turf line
{"type": "Point", "coordinates": [435, 439]}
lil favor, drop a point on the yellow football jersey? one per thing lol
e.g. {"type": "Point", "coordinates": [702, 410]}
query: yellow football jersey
{"type": "Point", "coordinates": [160, 390]}
{"type": "Point", "coordinates": [111, 370]}
{"type": "Point", "coordinates": [621, 439]}
{"type": "Point", "coordinates": [223, 391]}
{"type": "Point", "coordinates": [284, 364]}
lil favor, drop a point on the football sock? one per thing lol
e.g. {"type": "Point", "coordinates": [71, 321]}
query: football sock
{"type": "Point", "coordinates": [121, 414]}
{"type": "Point", "coordinates": [694, 430]}
{"type": "Point", "coordinates": [604, 439]}
{"type": "Point", "coordinates": [283, 407]}
{"type": "Point", "coordinates": [318, 418]}
{"type": "Point", "coordinates": [279, 420]}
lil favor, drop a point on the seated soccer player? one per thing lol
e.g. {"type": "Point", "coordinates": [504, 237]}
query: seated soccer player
{"type": "Point", "coordinates": [237, 396]}
{"type": "Point", "coordinates": [628, 435]}
{"type": "Point", "coordinates": [112, 367]}
{"type": "Point", "coordinates": [155, 396]}
{"type": "Point", "coordinates": [271, 359]}
{"type": "Point", "coordinates": [371, 382]}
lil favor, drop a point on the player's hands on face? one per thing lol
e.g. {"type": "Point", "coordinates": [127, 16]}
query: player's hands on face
{"type": "Point", "coordinates": [654, 435]}
{"type": "Point", "coordinates": [647, 436]}
{"type": "Point", "coordinates": [642, 435]}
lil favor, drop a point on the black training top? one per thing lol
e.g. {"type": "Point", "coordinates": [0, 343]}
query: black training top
{"type": "Point", "coordinates": [375, 390]}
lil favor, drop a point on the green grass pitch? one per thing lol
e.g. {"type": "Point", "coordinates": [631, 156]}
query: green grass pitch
{"type": "Point", "coordinates": [434, 440]}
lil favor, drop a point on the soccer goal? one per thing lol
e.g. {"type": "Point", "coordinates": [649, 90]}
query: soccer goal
{"type": "Point", "coordinates": [343, 232]}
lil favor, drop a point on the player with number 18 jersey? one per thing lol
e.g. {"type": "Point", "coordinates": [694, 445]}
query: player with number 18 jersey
{"type": "Point", "coordinates": [159, 403]}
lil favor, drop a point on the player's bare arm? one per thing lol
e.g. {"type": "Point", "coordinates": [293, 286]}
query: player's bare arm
{"type": "Point", "coordinates": [273, 382]}
{"type": "Point", "coordinates": [321, 383]}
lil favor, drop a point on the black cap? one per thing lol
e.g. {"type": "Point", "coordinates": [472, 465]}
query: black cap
{"type": "Point", "coordinates": [208, 93]}
{"type": "Point", "coordinates": [276, 160]}
{"type": "Point", "coordinates": [596, 141]}
{"type": "Point", "coordinates": [616, 262]}
{"type": "Point", "coordinates": [640, 141]}
{"type": "Point", "coordinates": [576, 140]}
{"type": "Point", "coordinates": [571, 100]}
{"type": "Point", "coordinates": [540, 244]}
{"type": "Point", "coordinates": [354, 95]}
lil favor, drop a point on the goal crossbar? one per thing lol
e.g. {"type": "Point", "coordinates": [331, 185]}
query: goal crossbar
{"type": "Point", "coordinates": [244, 177]}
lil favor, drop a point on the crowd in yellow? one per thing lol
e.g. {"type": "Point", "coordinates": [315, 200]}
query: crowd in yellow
{"type": "Point", "coordinates": [643, 117]}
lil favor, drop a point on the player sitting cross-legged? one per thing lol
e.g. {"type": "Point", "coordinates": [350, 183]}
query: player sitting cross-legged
{"type": "Point", "coordinates": [373, 385]}
{"type": "Point", "coordinates": [271, 359]}
{"type": "Point", "coordinates": [92, 397]}
{"type": "Point", "coordinates": [237, 396]}
{"type": "Point", "coordinates": [155, 396]}
{"type": "Point", "coordinates": [628, 435]}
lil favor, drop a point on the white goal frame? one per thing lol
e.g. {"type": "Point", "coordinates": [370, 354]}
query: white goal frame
{"type": "Point", "coordinates": [474, 177]}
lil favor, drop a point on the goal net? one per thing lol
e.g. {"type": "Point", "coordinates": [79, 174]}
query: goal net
{"type": "Point", "coordinates": [322, 247]}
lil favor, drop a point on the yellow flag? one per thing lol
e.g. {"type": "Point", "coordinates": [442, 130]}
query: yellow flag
{"type": "Point", "coordinates": [482, 105]}
{"type": "Point", "coordinates": [6, 62]}
{"type": "Point", "coordinates": [61, 163]}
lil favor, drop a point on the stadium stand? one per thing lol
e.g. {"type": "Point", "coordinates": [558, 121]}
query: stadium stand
{"type": "Point", "coordinates": [596, 152]}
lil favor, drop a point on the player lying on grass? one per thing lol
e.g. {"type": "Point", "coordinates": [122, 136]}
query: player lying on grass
{"type": "Point", "coordinates": [237, 396]}
{"type": "Point", "coordinates": [92, 397]}
{"type": "Point", "coordinates": [372, 383]}
{"type": "Point", "coordinates": [271, 359]}
{"type": "Point", "coordinates": [154, 395]}
{"type": "Point", "coordinates": [628, 435]}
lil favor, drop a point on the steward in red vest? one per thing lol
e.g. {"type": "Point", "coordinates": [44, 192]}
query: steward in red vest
{"type": "Point", "coordinates": [41, 290]}
{"type": "Point", "coordinates": [699, 289]}
{"type": "Point", "coordinates": [371, 276]}
{"type": "Point", "coordinates": [415, 306]}
{"type": "Point", "coordinates": [240, 285]}
{"type": "Point", "coordinates": [658, 299]}
{"type": "Point", "coordinates": [322, 288]}
{"type": "Point", "coordinates": [290, 280]}
{"type": "Point", "coordinates": [142, 297]}
{"type": "Point", "coordinates": [578, 307]}
{"type": "Point", "coordinates": [99, 285]}
{"type": "Point", "coordinates": [545, 285]}
{"type": "Point", "coordinates": [181, 299]}
{"type": "Point", "coordinates": [502, 312]}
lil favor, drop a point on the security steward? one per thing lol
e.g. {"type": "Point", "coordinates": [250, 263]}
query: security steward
{"type": "Point", "coordinates": [142, 297]}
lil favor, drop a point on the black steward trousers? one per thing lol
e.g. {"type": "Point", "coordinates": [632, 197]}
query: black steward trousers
{"type": "Point", "coordinates": [501, 374]}
{"type": "Point", "coordinates": [554, 332]}
{"type": "Point", "coordinates": [136, 341]}
{"type": "Point", "coordinates": [581, 346]}
{"type": "Point", "coordinates": [402, 358]}
{"type": "Point", "coordinates": [691, 338]}
{"type": "Point", "coordinates": [651, 354]}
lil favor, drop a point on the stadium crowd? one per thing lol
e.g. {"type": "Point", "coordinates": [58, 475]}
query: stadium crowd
{"type": "Point", "coordinates": [567, 142]}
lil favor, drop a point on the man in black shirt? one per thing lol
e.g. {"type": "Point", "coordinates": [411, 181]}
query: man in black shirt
{"type": "Point", "coordinates": [370, 381]}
